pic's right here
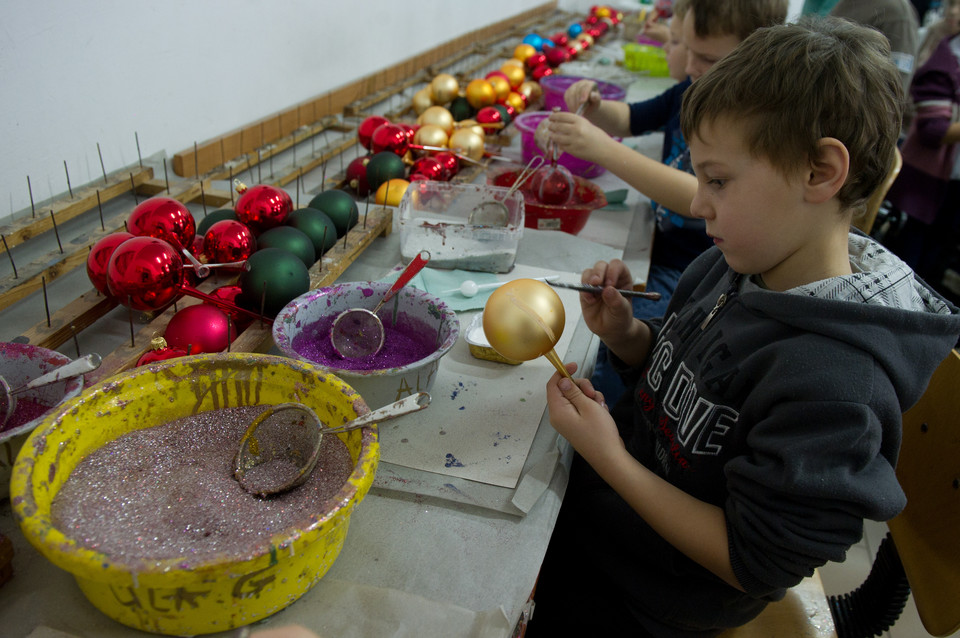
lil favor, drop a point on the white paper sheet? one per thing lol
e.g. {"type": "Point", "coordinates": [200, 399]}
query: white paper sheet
{"type": "Point", "coordinates": [484, 415]}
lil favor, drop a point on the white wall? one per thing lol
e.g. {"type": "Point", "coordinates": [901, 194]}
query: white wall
{"type": "Point", "coordinates": [77, 73]}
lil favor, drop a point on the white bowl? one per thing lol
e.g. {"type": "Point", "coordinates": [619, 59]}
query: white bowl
{"type": "Point", "coordinates": [414, 308]}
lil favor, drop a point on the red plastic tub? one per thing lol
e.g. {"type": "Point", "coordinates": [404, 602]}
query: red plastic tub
{"type": "Point", "coordinates": [571, 218]}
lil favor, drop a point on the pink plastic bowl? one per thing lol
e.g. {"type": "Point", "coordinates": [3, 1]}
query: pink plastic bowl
{"type": "Point", "coordinates": [527, 124]}
{"type": "Point", "coordinates": [554, 86]}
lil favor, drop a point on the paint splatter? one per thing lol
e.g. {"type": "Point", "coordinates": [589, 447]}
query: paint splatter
{"type": "Point", "coordinates": [452, 461]}
{"type": "Point", "coordinates": [456, 391]}
{"type": "Point", "coordinates": [462, 407]}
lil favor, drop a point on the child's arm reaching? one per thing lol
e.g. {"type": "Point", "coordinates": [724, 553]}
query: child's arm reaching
{"type": "Point", "coordinates": [611, 116]}
{"type": "Point", "coordinates": [673, 188]}
{"type": "Point", "coordinates": [694, 527]}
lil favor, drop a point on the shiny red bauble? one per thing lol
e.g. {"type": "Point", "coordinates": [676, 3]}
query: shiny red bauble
{"type": "Point", "coordinates": [560, 39]}
{"type": "Point", "coordinates": [200, 328]}
{"type": "Point", "coordinates": [367, 127]}
{"type": "Point", "coordinates": [99, 257]}
{"type": "Point", "coordinates": [164, 218]}
{"type": "Point", "coordinates": [556, 55]}
{"type": "Point", "coordinates": [489, 115]}
{"type": "Point", "coordinates": [228, 241]}
{"type": "Point", "coordinates": [428, 168]}
{"type": "Point", "coordinates": [535, 60]}
{"type": "Point", "coordinates": [451, 165]}
{"type": "Point", "coordinates": [542, 71]}
{"type": "Point", "coordinates": [357, 175]}
{"type": "Point", "coordinates": [228, 298]}
{"type": "Point", "coordinates": [262, 207]}
{"type": "Point", "coordinates": [409, 129]}
{"type": "Point", "coordinates": [390, 137]}
{"type": "Point", "coordinates": [160, 351]}
{"type": "Point", "coordinates": [145, 273]}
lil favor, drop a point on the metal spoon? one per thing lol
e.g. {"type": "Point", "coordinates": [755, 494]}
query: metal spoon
{"type": "Point", "coordinates": [358, 332]}
{"type": "Point", "coordinates": [280, 448]}
{"type": "Point", "coordinates": [8, 397]}
{"type": "Point", "coordinates": [494, 212]}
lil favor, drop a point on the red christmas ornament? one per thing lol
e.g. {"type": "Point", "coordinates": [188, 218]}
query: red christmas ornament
{"type": "Point", "coordinates": [227, 296]}
{"type": "Point", "coordinates": [197, 248]}
{"type": "Point", "coordinates": [560, 39]}
{"type": "Point", "coordinates": [164, 218]}
{"type": "Point", "coordinates": [428, 168]}
{"type": "Point", "coordinates": [390, 137]}
{"type": "Point", "coordinates": [535, 60]}
{"type": "Point", "coordinates": [145, 273]}
{"type": "Point", "coordinates": [542, 71]}
{"type": "Point", "coordinates": [409, 129]}
{"type": "Point", "coordinates": [367, 127]}
{"type": "Point", "coordinates": [357, 175]}
{"type": "Point", "coordinates": [99, 258]}
{"type": "Point", "coordinates": [451, 165]}
{"type": "Point", "coordinates": [489, 115]}
{"type": "Point", "coordinates": [511, 111]}
{"type": "Point", "coordinates": [572, 51]}
{"type": "Point", "coordinates": [200, 328]}
{"type": "Point", "coordinates": [418, 177]}
{"type": "Point", "coordinates": [556, 55]}
{"type": "Point", "coordinates": [228, 241]}
{"type": "Point", "coordinates": [262, 207]}
{"type": "Point", "coordinates": [159, 351]}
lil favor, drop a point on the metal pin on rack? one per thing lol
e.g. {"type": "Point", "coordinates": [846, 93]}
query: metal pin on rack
{"type": "Point", "coordinates": [223, 156]}
{"type": "Point", "coordinates": [298, 188]}
{"type": "Point", "coordinates": [46, 302]}
{"type": "Point", "coordinates": [102, 167]}
{"type": "Point", "coordinates": [76, 342]}
{"type": "Point", "coordinates": [203, 199]}
{"type": "Point", "coordinates": [100, 210]}
{"type": "Point", "coordinates": [259, 168]}
{"type": "Point", "coordinates": [69, 187]}
{"type": "Point", "coordinates": [33, 208]}
{"type": "Point", "coordinates": [56, 231]}
{"type": "Point", "coordinates": [230, 186]}
{"type": "Point", "coordinates": [323, 177]}
{"type": "Point", "coordinates": [10, 255]}
{"type": "Point", "coordinates": [366, 210]}
{"type": "Point", "coordinates": [196, 162]}
{"type": "Point", "coordinates": [166, 177]}
{"type": "Point", "coordinates": [323, 246]}
{"type": "Point", "coordinates": [133, 189]}
{"type": "Point", "coordinates": [263, 303]}
{"type": "Point", "coordinates": [139, 157]}
{"type": "Point", "coordinates": [133, 342]}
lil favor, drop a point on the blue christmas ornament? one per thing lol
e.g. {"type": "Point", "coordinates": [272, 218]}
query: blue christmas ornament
{"type": "Point", "coordinates": [535, 41]}
{"type": "Point", "coordinates": [575, 30]}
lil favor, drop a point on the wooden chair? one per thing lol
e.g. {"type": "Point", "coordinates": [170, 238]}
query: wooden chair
{"type": "Point", "coordinates": [865, 221]}
{"type": "Point", "coordinates": [921, 551]}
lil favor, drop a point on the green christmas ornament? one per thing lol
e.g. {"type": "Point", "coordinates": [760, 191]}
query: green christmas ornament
{"type": "Point", "coordinates": [460, 109]}
{"type": "Point", "coordinates": [340, 207]}
{"type": "Point", "coordinates": [503, 112]}
{"type": "Point", "coordinates": [289, 238]}
{"type": "Point", "coordinates": [213, 217]}
{"type": "Point", "coordinates": [275, 276]}
{"type": "Point", "coordinates": [383, 166]}
{"type": "Point", "coordinates": [316, 225]}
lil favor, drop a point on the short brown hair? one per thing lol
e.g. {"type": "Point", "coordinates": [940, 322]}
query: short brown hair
{"type": "Point", "coordinates": [735, 17]}
{"type": "Point", "coordinates": [793, 85]}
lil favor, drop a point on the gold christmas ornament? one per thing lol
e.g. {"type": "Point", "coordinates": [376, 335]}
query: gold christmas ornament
{"type": "Point", "coordinates": [391, 192]}
{"type": "Point", "coordinates": [471, 125]}
{"type": "Point", "coordinates": [467, 142]}
{"type": "Point", "coordinates": [586, 37]}
{"type": "Point", "coordinates": [531, 89]}
{"type": "Point", "coordinates": [500, 86]}
{"type": "Point", "coordinates": [444, 88]}
{"type": "Point", "coordinates": [523, 51]}
{"type": "Point", "coordinates": [430, 135]}
{"type": "Point", "coordinates": [480, 93]}
{"type": "Point", "coordinates": [422, 100]}
{"type": "Point", "coordinates": [438, 116]}
{"type": "Point", "coordinates": [516, 100]}
{"type": "Point", "coordinates": [512, 62]}
{"type": "Point", "coordinates": [515, 74]}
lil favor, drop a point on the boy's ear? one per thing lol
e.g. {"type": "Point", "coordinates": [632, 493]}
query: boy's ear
{"type": "Point", "coordinates": [827, 173]}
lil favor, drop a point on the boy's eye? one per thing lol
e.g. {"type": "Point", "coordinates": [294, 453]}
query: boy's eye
{"type": "Point", "coordinates": [716, 182]}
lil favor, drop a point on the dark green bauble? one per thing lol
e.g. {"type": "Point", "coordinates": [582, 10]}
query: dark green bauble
{"type": "Point", "coordinates": [383, 166]}
{"type": "Point", "coordinates": [215, 216]}
{"type": "Point", "coordinates": [504, 112]}
{"type": "Point", "coordinates": [275, 275]}
{"type": "Point", "coordinates": [340, 207]}
{"type": "Point", "coordinates": [316, 225]}
{"type": "Point", "coordinates": [289, 238]}
{"type": "Point", "coordinates": [460, 109]}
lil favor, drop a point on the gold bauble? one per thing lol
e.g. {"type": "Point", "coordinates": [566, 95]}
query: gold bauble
{"type": "Point", "coordinates": [480, 93]}
{"type": "Point", "coordinates": [531, 89]}
{"type": "Point", "coordinates": [466, 142]}
{"type": "Point", "coordinates": [523, 319]}
{"type": "Point", "coordinates": [430, 135]}
{"type": "Point", "coordinates": [523, 51]}
{"type": "Point", "coordinates": [471, 125]}
{"type": "Point", "coordinates": [500, 86]}
{"type": "Point", "coordinates": [515, 74]}
{"type": "Point", "coordinates": [391, 192]}
{"type": "Point", "coordinates": [516, 100]}
{"type": "Point", "coordinates": [438, 116]}
{"type": "Point", "coordinates": [512, 62]}
{"type": "Point", "coordinates": [444, 88]}
{"type": "Point", "coordinates": [422, 100]}
{"type": "Point", "coordinates": [586, 37]}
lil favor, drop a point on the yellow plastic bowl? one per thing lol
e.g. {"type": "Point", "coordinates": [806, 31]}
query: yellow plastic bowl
{"type": "Point", "coordinates": [181, 596]}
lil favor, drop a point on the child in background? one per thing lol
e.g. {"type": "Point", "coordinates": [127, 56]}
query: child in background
{"type": "Point", "coordinates": [949, 26]}
{"type": "Point", "coordinates": [765, 419]}
{"type": "Point", "coordinates": [928, 187]}
{"type": "Point", "coordinates": [705, 31]}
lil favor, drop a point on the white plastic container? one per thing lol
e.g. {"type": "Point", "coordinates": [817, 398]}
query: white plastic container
{"type": "Point", "coordinates": [435, 216]}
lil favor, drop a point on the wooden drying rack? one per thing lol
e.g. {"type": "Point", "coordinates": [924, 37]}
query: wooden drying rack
{"type": "Point", "coordinates": [246, 148]}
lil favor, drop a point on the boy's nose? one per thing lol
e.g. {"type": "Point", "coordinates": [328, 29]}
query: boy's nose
{"type": "Point", "coordinates": [699, 207]}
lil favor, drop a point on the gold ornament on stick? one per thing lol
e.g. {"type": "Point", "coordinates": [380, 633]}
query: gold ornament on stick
{"type": "Point", "coordinates": [444, 88]}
